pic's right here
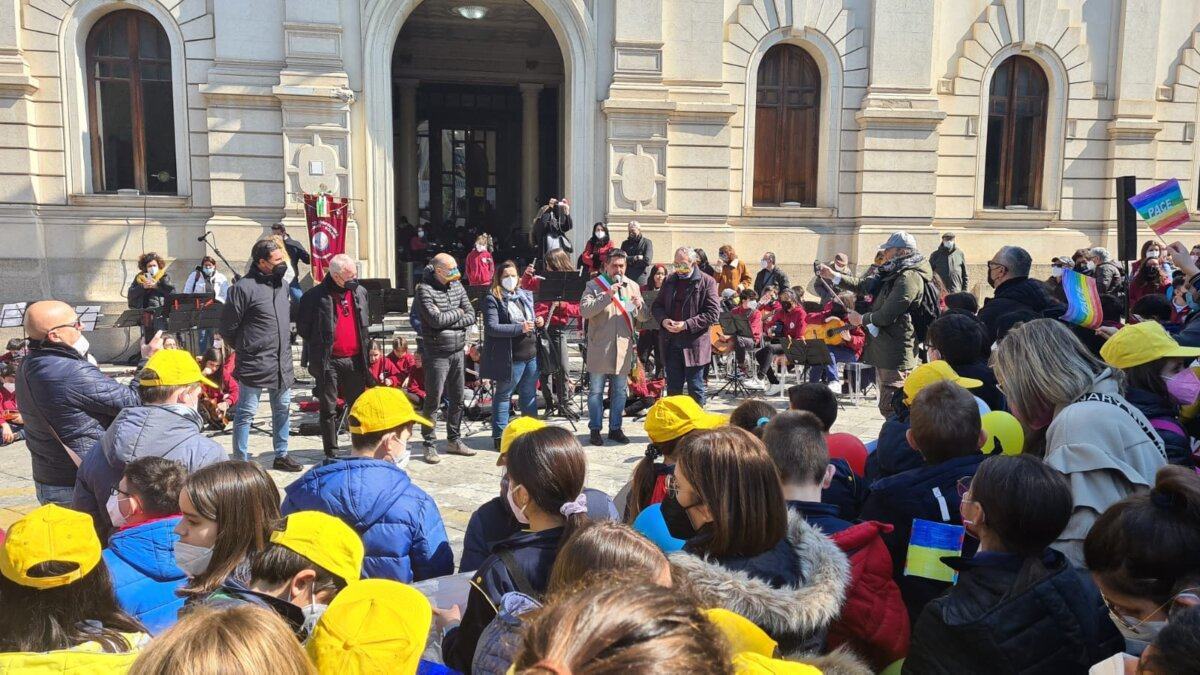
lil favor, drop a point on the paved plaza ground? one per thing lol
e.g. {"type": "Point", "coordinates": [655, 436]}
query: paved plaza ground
{"type": "Point", "coordinates": [458, 484]}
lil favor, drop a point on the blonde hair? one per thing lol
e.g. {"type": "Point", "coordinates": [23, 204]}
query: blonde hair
{"type": "Point", "coordinates": [1043, 366]}
{"type": "Point", "coordinates": [211, 641]}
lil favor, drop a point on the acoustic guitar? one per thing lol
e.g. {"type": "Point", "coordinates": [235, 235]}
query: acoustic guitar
{"type": "Point", "coordinates": [721, 343]}
{"type": "Point", "coordinates": [832, 332]}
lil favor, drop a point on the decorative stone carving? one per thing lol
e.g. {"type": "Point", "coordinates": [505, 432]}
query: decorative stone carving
{"type": "Point", "coordinates": [637, 178]}
{"type": "Point", "coordinates": [317, 166]}
{"type": "Point", "coordinates": [639, 181]}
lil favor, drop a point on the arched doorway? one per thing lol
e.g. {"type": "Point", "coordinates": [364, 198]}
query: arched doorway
{"type": "Point", "coordinates": [563, 23]}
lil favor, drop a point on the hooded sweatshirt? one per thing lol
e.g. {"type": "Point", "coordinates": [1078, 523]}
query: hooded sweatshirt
{"type": "Point", "coordinates": [169, 431]}
{"type": "Point", "coordinates": [1107, 449]}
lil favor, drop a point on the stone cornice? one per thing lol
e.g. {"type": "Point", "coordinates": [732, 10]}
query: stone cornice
{"type": "Point", "coordinates": [1126, 128]}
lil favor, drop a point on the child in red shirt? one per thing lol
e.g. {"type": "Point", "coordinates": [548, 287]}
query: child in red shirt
{"type": "Point", "coordinates": [400, 358]}
{"type": "Point", "coordinates": [383, 371]}
{"type": "Point", "coordinates": [11, 426]}
{"type": "Point", "coordinates": [480, 265]}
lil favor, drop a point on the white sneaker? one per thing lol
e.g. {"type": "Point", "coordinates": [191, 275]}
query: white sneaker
{"type": "Point", "coordinates": [835, 386]}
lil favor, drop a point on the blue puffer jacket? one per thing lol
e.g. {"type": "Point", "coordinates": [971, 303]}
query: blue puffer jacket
{"type": "Point", "coordinates": [501, 640]}
{"type": "Point", "coordinates": [399, 523]}
{"type": "Point", "coordinates": [168, 431]}
{"type": "Point", "coordinates": [59, 389]}
{"type": "Point", "coordinates": [141, 561]}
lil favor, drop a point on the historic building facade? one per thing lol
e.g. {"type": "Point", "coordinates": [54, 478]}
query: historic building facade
{"type": "Point", "coordinates": [801, 126]}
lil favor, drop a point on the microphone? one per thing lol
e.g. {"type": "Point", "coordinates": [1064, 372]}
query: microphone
{"type": "Point", "coordinates": [203, 236]}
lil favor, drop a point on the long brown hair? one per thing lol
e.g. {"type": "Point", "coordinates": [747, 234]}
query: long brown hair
{"type": "Point", "coordinates": [557, 260]}
{"type": "Point", "coordinates": [244, 502]}
{"type": "Point", "coordinates": [498, 290]}
{"type": "Point", "coordinates": [242, 638]}
{"type": "Point", "coordinates": [735, 478]}
{"type": "Point", "coordinates": [619, 625]}
{"type": "Point", "coordinates": [551, 465]}
{"type": "Point", "coordinates": [605, 546]}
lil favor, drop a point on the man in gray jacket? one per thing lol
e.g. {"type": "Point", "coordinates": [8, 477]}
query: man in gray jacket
{"type": "Point", "coordinates": [166, 425]}
{"type": "Point", "coordinates": [256, 322]}
{"type": "Point", "coordinates": [949, 263]}
{"type": "Point", "coordinates": [445, 313]}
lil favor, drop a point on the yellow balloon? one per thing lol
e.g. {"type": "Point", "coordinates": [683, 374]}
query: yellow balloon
{"type": "Point", "coordinates": [1002, 425]}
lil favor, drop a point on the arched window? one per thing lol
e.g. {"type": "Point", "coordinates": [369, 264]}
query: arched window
{"type": "Point", "coordinates": [1016, 135]}
{"type": "Point", "coordinates": [786, 127]}
{"type": "Point", "coordinates": [130, 110]}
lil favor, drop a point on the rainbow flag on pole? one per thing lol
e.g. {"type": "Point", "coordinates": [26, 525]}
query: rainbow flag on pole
{"type": "Point", "coordinates": [1162, 207]}
{"type": "Point", "coordinates": [1083, 300]}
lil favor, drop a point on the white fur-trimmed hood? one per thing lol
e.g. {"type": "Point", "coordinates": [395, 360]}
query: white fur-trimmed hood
{"type": "Point", "coordinates": [794, 611]}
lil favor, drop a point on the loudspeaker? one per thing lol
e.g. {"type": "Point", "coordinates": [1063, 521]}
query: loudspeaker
{"type": "Point", "coordinates": [1127, 245]}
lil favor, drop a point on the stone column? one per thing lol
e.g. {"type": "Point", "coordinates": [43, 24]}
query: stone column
{"type": "Point", "coordinates": [1133, 130]}
{"type": "Point", "coordinates": [406, 152]}
{"type": "Point", "coordinates": [899, 118]}
{"type": "Point", "coordinates": [529, 153]}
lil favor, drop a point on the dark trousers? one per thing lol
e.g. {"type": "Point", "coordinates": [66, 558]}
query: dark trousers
{"type": "Point", "coordinates": [647, 344]}
{"type": "Point", "coordinates": [764, 356]}
{"type": "Point", "coordinates": [679, 374]}
{"type": "Point", "coordinates": [554, 385]}
{"type": "Point", "coordinates": [340, 375]}
{"type": "Point", "coordinates": [444, 376]}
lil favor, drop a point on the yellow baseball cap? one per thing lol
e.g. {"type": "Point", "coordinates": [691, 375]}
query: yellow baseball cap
{"type": "Point", "coordinates": [1141, 343]}
{"type": "Point", "coordinates": [516, 428]}
{"type": "Point", "coordinates": [935, 371]}
{"type": "Point", "coordinates": [50, 533]}
{"type": "Point", "coordinates": [382, 408]}
{"type": "Point", "coordinates": [175, 368]}
{"type": "Point", "coordinates": [325, 540]}
{"type": "Point", "coordinates": [372, 626]}
{"type": "Point", "coordinates": [741, 633]}
{"type": "Point", "coordinates": [673, 416]}
{"type": "Point", "coordinates": [749, 663]}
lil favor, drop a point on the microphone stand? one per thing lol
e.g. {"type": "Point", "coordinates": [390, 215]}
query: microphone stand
{"type": "Point", "coordinates": [217, 251]}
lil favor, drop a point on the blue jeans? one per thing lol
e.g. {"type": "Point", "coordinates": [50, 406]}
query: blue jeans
{"type": "Point", "coordinates": [618, 390]}
{"type": "Point", "coordinates": [243, 414]}
{"type": "Point", "coordinates": [523, 380]}
{"type": "Point", "coordinates": [679, 374]}
{"type": "Point", "coordinates": [838, 355]}
{"type": "Point", "coordinates": [54, 494]}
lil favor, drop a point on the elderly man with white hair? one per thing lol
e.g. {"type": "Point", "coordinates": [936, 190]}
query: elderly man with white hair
{"type": "Point", "coordinates": [1109, 278]}
{"type": "Point", "coordinates": [332, 319]}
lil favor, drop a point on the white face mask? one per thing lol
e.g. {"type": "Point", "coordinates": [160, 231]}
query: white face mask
{"type": "Point", "coordinates": [81, 345]}
{"type": "Point", "coordinates": [209, 271]}
{"type": "Point", "coordinates": [764, 263]}
{"type": "Point", "coordinates": [1152, 253]}
{"type": "Point", "coordinates": [752, 305]}
{"type": "Point", "coordinates": [312, 614]}
{"type": "Point", "coordinates": [601, 235]}
{"type": "Point", "coordinates": [151, 270]}
{"type": "Point", "coordinates": [218, 343]}
{"type": "Point", "coordinates": [733, 263]}
{"type": "Point", "coordinates": [193, 560]}
{"type": "Point", "coordinates": [509, 284]}
{"type": "Point", "coordinates": [1091, 266]}
{"type": "Point", "coordinates": [1056, 272]}
{"type": "Point", "coordinates": [10, 387]}
{"type": "Point", "coordinates": [114, 511]}
{"type": "Point", "coordinates": [480, 247]}
{"type": "Point", "coordinates": [420, 233]}
{"type": "Point", "coordinates": [516, 510]}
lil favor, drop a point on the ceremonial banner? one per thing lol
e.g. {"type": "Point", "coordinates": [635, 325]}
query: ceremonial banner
{"type": "Point", "coordinates": [1162, 207]}
{"type": "Point", "coordinates": [326, 218]}
{"type": "Point", "coordinates": [1083, 300]}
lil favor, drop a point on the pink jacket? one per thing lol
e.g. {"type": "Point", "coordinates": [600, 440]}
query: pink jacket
{"type": "Point", "coordinates": [480, 268]}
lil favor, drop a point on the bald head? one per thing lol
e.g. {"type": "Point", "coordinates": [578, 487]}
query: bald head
{"type": "Point", "coordinates": [51, 319]}
{"type": "Point", "coordinates": [445, 268]}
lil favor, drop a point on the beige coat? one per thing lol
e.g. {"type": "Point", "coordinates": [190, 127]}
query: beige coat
{"type": "Point", "coordinates": [610, 343]}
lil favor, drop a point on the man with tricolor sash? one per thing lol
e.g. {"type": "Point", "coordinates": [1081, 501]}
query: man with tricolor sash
{"type": "Point", "coordinates": [612, 305]}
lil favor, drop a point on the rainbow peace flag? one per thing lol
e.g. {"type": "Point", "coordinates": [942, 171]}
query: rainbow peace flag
{"type": "Point", "coordinates": [1162, 207]}
{"type": "Point", "coordinates": [1083, 300]}
{"type": "Point", "coordinates": [930, 542]}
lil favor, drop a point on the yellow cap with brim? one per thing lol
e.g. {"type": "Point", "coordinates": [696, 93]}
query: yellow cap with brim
{"type": "Point", "coordinates": [382, 408]}
{"type": "Point", "coordinates": [50, 533]}
{"type": "Point", "coordinates": [935, 371]}
{"type": "Point", "coordinates": [174, 368]}
{"type": "Point", "coordinates": [749, 663]}
{"type": "Point", "coordinates": [325, 540]}
{"type": "Point", "coordinates": [372, 626]}
{"type": "Point", "coordinates": [741, 633]}
{"type": "Point", "coordinates": [515, 429]}
{"type": "Point", "coordinates": [1141, 343]}
{"type": "Point", "coordinates": [673, 416]}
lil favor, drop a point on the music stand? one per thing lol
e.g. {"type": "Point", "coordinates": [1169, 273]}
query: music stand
{"type": "Point", "coordinates": [177, 301]}
{"type": "Point", "coordinates": [88, 315]}
{"type": "Point", "coordinates": [476, 294]}
{"type": "Point", "coordinates": [808, 353]}
{"type": "Point", "coordinates": [648, 298]}
{"type": "Point", "coordinates": [561, 287]}
{"type": "Point", "coordinates": [12, 315]}
{"type": "Point", "coordinates": [735, 326]}
{"type": "Point", "coordinates": [130, 318]}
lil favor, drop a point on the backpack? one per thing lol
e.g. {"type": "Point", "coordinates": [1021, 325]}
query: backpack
{"type": "Point", "coordinates": [925, 310]}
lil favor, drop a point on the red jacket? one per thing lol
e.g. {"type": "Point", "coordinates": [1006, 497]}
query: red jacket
{"type": "Point", "coordinates": [793, 322]}
{"type": "Point", "coordinates": [229, 386]}
{"type": "Point", "coordinates": [874, 620]}
{"type": "Point", "coordinates": [564, 315]}
{"type": "Point", "coordinates": [480, 268]}
{"type": "Point", "coordinates": [755, 318]}
{"type": "Point", "coordinates": [593, 257]}
{"type": "Point", "coordinates": [385, 372]}
{"type": "Point", "coordinates": [416, 382]}
{"type": "Point", "coordinates": [404, 363]}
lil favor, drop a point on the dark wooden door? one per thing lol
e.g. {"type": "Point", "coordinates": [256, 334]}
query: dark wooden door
{"type": "Point", "coordinates": [1016, 139]}
{"type": "Point", "coordinates": [787, 134]}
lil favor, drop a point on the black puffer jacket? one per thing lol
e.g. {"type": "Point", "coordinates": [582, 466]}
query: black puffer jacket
{"type": "Point", "coordinates": [446, 313]}
{"type": "Point", "coordinates": [1164, 417]}
{"type": "Point", "coordinates": [1014, 295]}
{"type": "Point", "coordinates": [59, 389]}
{"type": "Point", "coordinates": [1009, 614]}
{"type": "Point", "coordinates": [315, 322]}
{"type": "Point", "coordinates": [256, 322]}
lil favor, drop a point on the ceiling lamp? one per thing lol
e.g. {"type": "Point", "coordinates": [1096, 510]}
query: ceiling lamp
{"type": "Point", "coordinates": [472, 12]}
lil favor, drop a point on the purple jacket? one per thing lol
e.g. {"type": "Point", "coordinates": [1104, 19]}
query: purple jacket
{"type": "Point", "coordinates": [701, 308]}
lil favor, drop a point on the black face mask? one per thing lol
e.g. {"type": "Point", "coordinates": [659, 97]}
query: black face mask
{"type": "Point", "coordinates": [350, 285]}
{"type": "Point", "coordinates": [279, 270]}
{"type": "Point", "coordinates": [676, 519]}
{"type": "Point", "coordinates": [787, 305]}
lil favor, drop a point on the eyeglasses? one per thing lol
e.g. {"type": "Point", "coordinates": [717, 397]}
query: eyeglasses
{"type": "Point", "coordinates": [992, 264]}
{"type": "Point", "coordinates": [1168, 605]}
{"type": "Point", "coordinates": [964, 488]}
{"type": "Point", "coordinates": [77, 325]}
{"type": "Point", "coordinates": [118, 491]}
